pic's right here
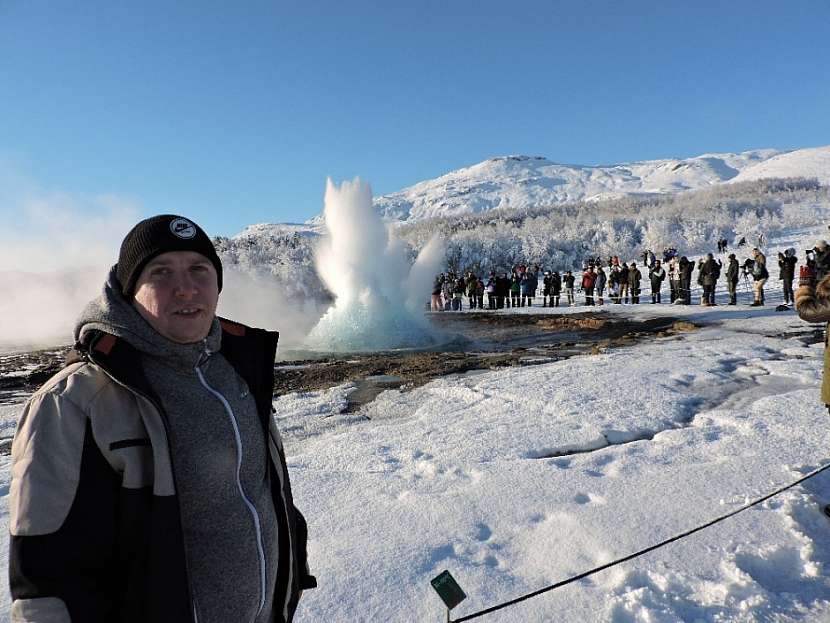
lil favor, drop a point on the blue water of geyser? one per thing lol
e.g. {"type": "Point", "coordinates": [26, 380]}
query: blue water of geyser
{"type": "Point", "coordinates": [376, 326]}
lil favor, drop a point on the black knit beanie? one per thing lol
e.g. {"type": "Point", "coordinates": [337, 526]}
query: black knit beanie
{"type": "Point", "coordinates": [157, 235]}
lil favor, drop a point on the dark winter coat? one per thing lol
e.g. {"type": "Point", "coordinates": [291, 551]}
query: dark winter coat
{"type": "Point", "coordinates": [555, 284]}
{"type": "Point", "coordinates": [599, 284]}
{"type": "Point", "coordinates": [709, 272]}
{"type": "Point", "coordinates": [759, 270]}
{"type": "Point", "coordinates": [657, 275]}
{"type": "Point", "coordinates": [634, 277]}
{"type": "Point", "coordinates": [686, 269]}
{"type": "Point", "coordinates": [732, 271]}
{"type": "Point", "coordinates": [569, 281]}
{"type": "Point", "coordinates": [787, 266]}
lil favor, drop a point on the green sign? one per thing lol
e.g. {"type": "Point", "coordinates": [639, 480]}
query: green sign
{"type": "Point", "coordinates": [448, 589]}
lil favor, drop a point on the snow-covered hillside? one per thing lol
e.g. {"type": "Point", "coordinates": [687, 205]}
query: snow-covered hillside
{"type": "Point", "coordinates": [814, 163]}
{"type": "Point", "coordinates": [533, 181]}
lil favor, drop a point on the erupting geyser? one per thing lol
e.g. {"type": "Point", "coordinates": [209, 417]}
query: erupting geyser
{"type": "Point", "coordinates": [379, 297]}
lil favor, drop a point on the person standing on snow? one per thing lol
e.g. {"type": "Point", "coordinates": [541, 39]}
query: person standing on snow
{"type": "Point", "coordinates": [686, 268]}
{"type": "Point", "coordinates": [709, 272]}
{"type": "Point", "coordinates": [515, 288]}
{"type": "Point", "coordinates": [588, 278]}
{"type": "Point", "coordinates": [732, 277]}
{"type": "Point", "coordinates": [656, 275]}
{"type": "Point", "coordinates": [435, 301]}
{"type": "Point", "coordinates": [786, 265]}
{"type": "Point", "coordinates": [674, 278]}
{"type": "Point", "coordinates": [568, 281]}
{"type": "Point", "coordinates": [149, 482]}
{"type": "Point", "coordinates": [634, 278]}
{"type": "Point", "coordinates": [491, 287]}
{"type": "Point", "coordinates": [472, 290]}
{"type": "Point", "coordinates": [624, 287]}
{"type": "Point", "coordinates": [555, 288]}
{"type": "Point", "coordinates": [599, 284]}
{"type": "Point", "coordinates": [532, 284]}
{"type": "Point", "coordinates": [759, 275]}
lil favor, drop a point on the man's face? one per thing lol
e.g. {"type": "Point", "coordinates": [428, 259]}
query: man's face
{"type": "Point", "coordinates": [177, 293]}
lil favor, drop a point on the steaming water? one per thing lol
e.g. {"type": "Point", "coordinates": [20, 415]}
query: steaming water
{"type": "Point", "coordinates": [379, 297]}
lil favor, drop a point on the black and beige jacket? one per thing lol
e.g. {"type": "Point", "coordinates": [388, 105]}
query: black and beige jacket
{"type": "Point", "coordinates": [95, 518]}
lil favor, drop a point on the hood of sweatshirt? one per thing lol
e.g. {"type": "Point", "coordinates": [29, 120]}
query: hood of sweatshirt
{"type": "Point", "coordinates": [112, 313]}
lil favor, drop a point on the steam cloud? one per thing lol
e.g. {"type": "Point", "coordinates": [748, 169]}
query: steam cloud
{"type": "Point", "coordinates": [379, 297]}
{"type": "Point", "coordinates": [55, 252]}
{"type": "Point", "coordinates": [260, 300]}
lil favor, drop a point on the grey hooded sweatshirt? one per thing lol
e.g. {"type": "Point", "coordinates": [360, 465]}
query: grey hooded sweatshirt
{"type": "Point", "coordinates": [219, 456]}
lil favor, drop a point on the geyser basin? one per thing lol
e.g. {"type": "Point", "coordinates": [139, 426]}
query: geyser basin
{"type": "Point", "coordinates": [369, 327]}
{"type": "Point", "coordinates": [379, 296]}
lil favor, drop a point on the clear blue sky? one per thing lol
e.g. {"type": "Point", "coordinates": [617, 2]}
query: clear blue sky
{"type": "Point", "coordinates": [235, 112]}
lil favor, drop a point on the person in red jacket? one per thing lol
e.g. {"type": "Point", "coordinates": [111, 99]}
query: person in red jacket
{"type": "Point", "coordinates": [588, 280]}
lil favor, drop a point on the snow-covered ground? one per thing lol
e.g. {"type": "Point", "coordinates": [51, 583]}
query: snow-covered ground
{"type": "Point", "coordinates": [459, 474]}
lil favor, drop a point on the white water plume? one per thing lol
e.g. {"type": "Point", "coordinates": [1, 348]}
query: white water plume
{"type": "Point", "coordinates": [379, 296]}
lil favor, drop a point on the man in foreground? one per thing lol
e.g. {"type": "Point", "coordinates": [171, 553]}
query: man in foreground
{"type": "Point", "coordinates": [148, 478]}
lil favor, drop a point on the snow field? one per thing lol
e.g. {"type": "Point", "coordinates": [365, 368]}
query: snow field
{"type": "Point", "coordinates": [459, 474]}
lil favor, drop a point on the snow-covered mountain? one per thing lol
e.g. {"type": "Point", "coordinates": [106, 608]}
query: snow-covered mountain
{"type": "Point", "coordinates": [534, 181]}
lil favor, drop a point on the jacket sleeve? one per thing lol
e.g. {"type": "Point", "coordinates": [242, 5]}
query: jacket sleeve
{"type": "Point", "coordinates": [62, 516]}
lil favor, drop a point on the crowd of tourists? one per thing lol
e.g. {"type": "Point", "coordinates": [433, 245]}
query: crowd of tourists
{"type": "Point", "coordinates": [617, 282]}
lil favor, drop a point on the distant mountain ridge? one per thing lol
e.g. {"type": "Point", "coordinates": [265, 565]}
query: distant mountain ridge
{"type": "Point", "coordinates": [534, 181]}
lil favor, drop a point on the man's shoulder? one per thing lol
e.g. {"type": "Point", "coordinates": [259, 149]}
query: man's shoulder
{"type": "Point", "coordinates": [79, 383]}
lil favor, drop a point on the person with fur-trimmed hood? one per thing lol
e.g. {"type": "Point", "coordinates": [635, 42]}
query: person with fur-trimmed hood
{"type": "Point", "coordinates": [149, 482]}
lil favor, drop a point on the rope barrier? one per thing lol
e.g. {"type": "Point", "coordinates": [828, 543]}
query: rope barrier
{"type": "Point", "coordinates": [651, 548]}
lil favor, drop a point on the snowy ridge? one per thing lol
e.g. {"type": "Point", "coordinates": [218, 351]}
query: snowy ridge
{"type": "Point", "coordinates": [534, 181]}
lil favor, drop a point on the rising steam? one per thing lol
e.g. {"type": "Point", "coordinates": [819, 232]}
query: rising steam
{"type": "Point", "coordinates": [379, 296]}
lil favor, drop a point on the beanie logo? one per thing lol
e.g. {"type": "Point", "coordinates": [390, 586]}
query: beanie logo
{"type": "Point", "coordinates": [182, 228]}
